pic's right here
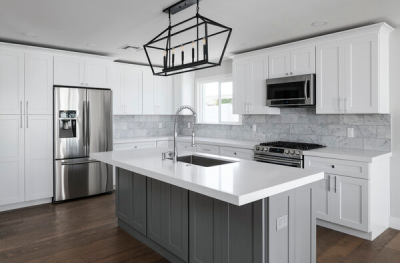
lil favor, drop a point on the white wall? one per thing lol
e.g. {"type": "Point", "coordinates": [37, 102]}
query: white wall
{"type": "Point", "coordinates": [395, 111]}
{"type": "Point", "coordinates": [225, 68]}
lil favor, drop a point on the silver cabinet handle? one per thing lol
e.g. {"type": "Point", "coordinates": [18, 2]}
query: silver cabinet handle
{"type": "Point", "coordinates": [305, 89]}
{"type": "Point", "coordinates": [83, 162]}
{"type": "Point", "coordinates": [82, 83]}
{"type": "Point", "coordinates": [208, 150]}
{"type": "Point", "coordinates": [20, 107]}
{"type": "Point", "coordinates": [346, 106]}
{"type": "Point", "coordinates": [335, 184]}
{"type": "Point", "coordinates": [21, 120]}
{"type": "Point", "coordinates": [27, 103]}
{"type": "Point", "coordinates": [329, 183]}
{"type": "Point", "coordinates": [27, 122]}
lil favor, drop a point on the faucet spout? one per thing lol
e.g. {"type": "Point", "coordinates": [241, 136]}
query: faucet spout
{"type": "Point", "coordinates": [174, 154]}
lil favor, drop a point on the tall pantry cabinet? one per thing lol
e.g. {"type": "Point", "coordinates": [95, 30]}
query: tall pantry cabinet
{"type": "Point", "coordinates": [26, 129]}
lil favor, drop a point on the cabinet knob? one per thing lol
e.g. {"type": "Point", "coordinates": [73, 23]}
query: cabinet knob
{"type": "Point", "coordinates": [291, 73]}
{"type": "Point", "coordinates": [235, 153]}
{"type": "Point", "coordinates": [82, 83]}
{"type": "Point", "coordinates": [287, 74]}
{"type": "Point", "coordinates": [333, 166]}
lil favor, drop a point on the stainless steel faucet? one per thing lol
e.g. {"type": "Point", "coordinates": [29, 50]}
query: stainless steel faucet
{"type": "Point", "coordinates": [174, 154]}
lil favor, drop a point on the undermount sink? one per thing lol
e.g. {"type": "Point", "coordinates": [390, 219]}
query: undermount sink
{"type": "Point", "coordinates": [202, 161]}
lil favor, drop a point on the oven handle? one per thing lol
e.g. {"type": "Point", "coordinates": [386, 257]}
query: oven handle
{"type": "Point", "coordinates": [281, 163]}
{"type": "Point", "coordinates": [276, 160]}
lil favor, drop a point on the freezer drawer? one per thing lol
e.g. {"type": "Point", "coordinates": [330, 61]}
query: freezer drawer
{"type": "Point", "coordinates": [81, 177]}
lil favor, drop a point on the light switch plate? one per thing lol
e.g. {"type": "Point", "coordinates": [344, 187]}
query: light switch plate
{"type": "Point", "coordinates": [254, 127]}
{"type": "Point", "coordinates": [160, 125]}
{"type": "Point", "coordinates": [350, 132]}
{"type": "Point", "coordinates": [281, 222]}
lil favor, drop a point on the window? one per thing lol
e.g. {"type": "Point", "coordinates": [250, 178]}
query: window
{"type": "Point", "coordinates": [214, 101]}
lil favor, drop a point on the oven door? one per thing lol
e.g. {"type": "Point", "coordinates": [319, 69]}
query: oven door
{"type": "Point", "coordinates": [298, 163]}
{"type": "Point", "coordinates": [291, 91]}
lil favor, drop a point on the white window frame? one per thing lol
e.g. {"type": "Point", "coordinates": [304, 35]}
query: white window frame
{"type": "Point", "coordinates": [199, 98]}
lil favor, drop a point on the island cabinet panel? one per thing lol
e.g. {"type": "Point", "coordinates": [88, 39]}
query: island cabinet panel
{"type": "Point", "coordinates": [131, 199]}
{"type": "Point", "coordinates": [167, 217]}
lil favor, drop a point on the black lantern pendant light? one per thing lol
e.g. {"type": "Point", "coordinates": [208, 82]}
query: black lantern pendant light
{"type": "Point", "coordinates": [193, 36]}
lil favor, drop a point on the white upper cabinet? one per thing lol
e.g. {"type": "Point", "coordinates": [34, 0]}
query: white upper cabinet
{"type": "Point", "coordinates": [38, 83]}
{"type": "Point", "coordinates": [158, 94]}
{"type": "Point", "coordinates": [183, 91]}
{"type": "Point", "coordinates": [38, 157]}
{"type": "Point", "coordinates": [132, 95]}
{"type": "Point", "coordinates": [76, 71]}
{"type": "Point", "coordinates": [117, 88]}
{"type": "Point", "coordinates": [279, 64]}
{"type": "Point", "coordinates": [11, 82]}
{"type": "Point", "coordinates": [297, 61]}
{"type": "Point", "coordinates": [352, 73]}
{"type": "Point", "coordinates": [249, 81]}
{"type": "Point", "coordinates": [69, 71]}
{"type": "Point", "coordinates": [11, 159]}
{"type": "Point", "coordinates": [330, 77]}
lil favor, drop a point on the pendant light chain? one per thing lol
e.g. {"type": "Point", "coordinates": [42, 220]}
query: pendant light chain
{"type": "Point", "coordinates": [197, 10]}
{"type": "Point", "coordinates": [169, 17]}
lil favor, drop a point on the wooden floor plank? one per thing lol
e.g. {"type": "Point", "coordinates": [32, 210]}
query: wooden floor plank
{"type": "Point", "coordinates": [86, 230]}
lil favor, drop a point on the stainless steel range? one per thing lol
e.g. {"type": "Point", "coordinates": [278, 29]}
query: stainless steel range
{"type": "Point", "coordinates": [283, 153]}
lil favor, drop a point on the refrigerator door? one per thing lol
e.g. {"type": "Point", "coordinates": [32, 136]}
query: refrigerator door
{"type": "Point", "coordinates": [69, 130]}
{"type": "Point", "coordinates": [99, 112]}
{"type": "Point", "coordinates": [81, 177]}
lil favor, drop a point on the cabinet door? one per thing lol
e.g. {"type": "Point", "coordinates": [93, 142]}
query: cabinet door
{"type": "Point", "coordinates": [176, 219]}
{"type": "Point", "coordinates": [97, 74]}
{"type": "Point", "coordinates": [38, 83]}
{"type": "Point", "coordinates": [38, 157]}
{"type": "Point", "coordinates": [164, 95]}
{"type": "Point", "coordinates": [330, 77]}
{"type": "Point", "coordinates": [11, 82]}
{"type": "Point", "coordinates": [156, 211]}
{"type": "Point", "coordinates": [361, 75]}
{"type": "Point", "coordinates": [11, 159]}
{"type": "Point", "coordinates": [302, 61]}
{"type": "Point", "coordinates": [351, 202]}
{"type": "Point", "coordinates": [149, 105]}
{"type": "Point", "coordinates": [138, 209]}
{"type": "Point", "coordinates": [118, 88]}
{"type": "Point", "coordinates": [69, 71]}
{"type": "Point", "coordinates": [133, 90]}
{"type": "Point", "coordinates": [240, 79]}
{"type": "Point", "coordinates": [325, 198]}
{"type": "Point", "coordinates": [279, 64]}
{"type": "Point", "coordinates": [124, 195]}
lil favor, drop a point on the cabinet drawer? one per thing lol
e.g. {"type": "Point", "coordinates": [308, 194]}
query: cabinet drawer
{"type": "Point", "coordinates": [206, 148]}
{"type": "Point", "coordinates": [186, 146]}
{"type": "Point", "coordinates": [136, 145]}
{"type": "Point", "coordinates": [164, 144]}
{"type": "Point", "coordinates": [240, 153]}
{"type": "Point", "coordinates": [338, 167]}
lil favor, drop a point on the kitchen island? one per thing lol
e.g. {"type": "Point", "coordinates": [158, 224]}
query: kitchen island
{"type": "Point", "coordinates": [239, 211]}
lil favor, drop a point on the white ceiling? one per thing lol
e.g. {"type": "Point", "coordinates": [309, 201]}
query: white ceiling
{"type": "Point", "coordinates": [72, 24]}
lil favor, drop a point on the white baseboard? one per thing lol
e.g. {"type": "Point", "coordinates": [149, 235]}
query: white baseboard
{"type": "Point", "coordinates": [25, 204]}
{"type": "Point", "coordinates": [394, 222]}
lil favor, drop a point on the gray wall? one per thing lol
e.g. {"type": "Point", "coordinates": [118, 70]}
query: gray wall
{"type": "Point", "coordinates": [372, 132]}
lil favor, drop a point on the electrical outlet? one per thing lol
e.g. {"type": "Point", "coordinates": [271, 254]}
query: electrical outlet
{"type": "Point", "coordinates": [254, 128]}
{"type": "Point", "coordinates": [188, 125]}
{"type": "Point", "coordinates": [281, 222]}
{"type": "Point", "coordinates": [160, 125]}
{"type": "Point", "coordinates": [350, 132]}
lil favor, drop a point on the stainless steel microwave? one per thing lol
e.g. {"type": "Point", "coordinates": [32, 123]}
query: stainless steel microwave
{"type": "Point", "coordinates": [296, 91]}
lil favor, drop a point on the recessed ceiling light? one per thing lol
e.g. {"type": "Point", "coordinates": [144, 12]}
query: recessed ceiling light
{"type": "Point", "coordinates": [319, 23]}
{"type": "Point", "coordinates": [30, 34]}
{"type": "Point", "coordinates": [239, 44]}
{"type": "Point", "coordinates": [92, 45]}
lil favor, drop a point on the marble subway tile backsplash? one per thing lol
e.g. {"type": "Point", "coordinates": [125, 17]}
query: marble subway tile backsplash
{"type": "Point", "coordinates": [371, 132]}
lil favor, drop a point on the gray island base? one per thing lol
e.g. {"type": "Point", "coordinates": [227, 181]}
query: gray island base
{"type": "Point", "coordinates": [185, 226]}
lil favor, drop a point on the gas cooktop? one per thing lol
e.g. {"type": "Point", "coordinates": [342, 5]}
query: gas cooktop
{"type": "Point", "coordinates": [293, 145]}
{"type": "Point", "coordinates": [284, 149]}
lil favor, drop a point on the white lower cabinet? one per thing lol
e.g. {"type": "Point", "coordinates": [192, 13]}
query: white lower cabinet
{"type": "Point", "coordinates": [38, 157]}
{"type": "Point", "coordinates": [326, 197]}
{"type": "Point", "coordinates": [26, 158]}
{"type": "Point", "coordinates": [245, 154]}
{"type": "Point", "coordinates": [11, 159]}
{"type": "Point", "coordinates": [207, 148]}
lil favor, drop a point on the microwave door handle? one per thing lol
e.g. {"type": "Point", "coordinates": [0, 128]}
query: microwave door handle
{"type": "Point", "coordinates": [305, 89]}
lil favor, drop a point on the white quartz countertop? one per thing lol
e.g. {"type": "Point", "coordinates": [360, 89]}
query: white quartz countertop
{"type": "Point", "coordinates": [238, 183]}
{"type": "Point", "coordinates": [202, 140]}
{"type": "Point", "coordinates": [367, 156]}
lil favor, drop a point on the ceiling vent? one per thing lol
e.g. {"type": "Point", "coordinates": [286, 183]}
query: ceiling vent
{"type": "Point", "coordinates": [130, 47]}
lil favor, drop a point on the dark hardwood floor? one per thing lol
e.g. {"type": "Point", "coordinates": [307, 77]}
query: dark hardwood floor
{"type": "Point", "coordinates": [86, 231]}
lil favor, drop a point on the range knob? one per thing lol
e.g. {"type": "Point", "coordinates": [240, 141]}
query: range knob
{"type": "Point", "coordinates": [297, 152]}
{"type": "Point", "coordinates": [257, 148]}
{"type": "Point", "coordinates": [266, 149]}
{"type": "Point", "coordinates": [292, 152]}
{"type": "Point", "coordinates": [287, 151]}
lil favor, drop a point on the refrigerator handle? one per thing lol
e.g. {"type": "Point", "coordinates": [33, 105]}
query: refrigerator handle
{"type": "Point", "coordinates": [84, 124]}
{"type": "Point", "coordinates": [88, 126]}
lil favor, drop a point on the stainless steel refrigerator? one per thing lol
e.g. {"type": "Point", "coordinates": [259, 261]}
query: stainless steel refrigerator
{"type": "Point", "coordinates": [82, 125]}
